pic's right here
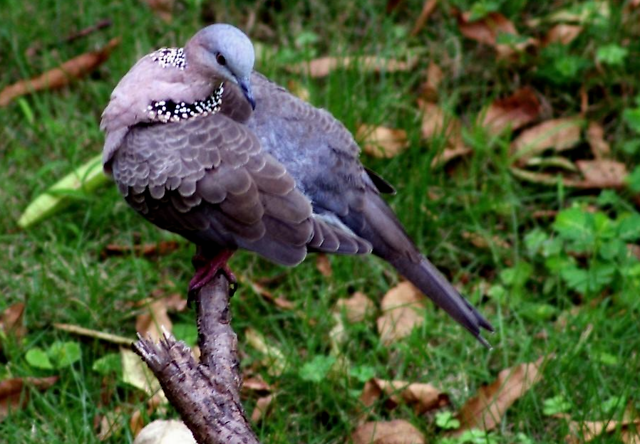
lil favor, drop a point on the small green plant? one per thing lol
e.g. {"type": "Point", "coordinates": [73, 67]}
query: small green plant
{"type": "Point", "coordinates": [317, 369]}
{"type": "Point", "coordinates": [588, 251]}
{"type": "Point", "coordinates": [555, 405]}
{"type": "Point", "coordinates": [58, 355]}
{"type": "Point", "coordinates": [446, 420]}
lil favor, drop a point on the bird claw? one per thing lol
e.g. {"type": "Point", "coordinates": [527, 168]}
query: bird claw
{"type": "Point", "coordinates": [207, 269]}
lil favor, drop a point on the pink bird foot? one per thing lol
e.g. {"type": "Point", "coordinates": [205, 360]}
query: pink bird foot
{"type": "Point", "coordinates": [208, 267]}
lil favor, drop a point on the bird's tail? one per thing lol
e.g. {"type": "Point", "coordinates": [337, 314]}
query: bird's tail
{"type": "Point", "coordinates": [391, 242]}
{"type": "Point", "coordinates": [428, 279]}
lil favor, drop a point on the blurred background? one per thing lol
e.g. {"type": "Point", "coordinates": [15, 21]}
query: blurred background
{"type": "Point", "coordinates": [509, 129]}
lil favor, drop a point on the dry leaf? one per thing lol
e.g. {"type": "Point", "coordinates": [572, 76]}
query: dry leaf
{"type": "Point", "coordinates": [487, 29]}
{"type": "Point", "coordinates": [560, 134]}
{"type": "Point", "coordinates": [11, 321]}
{"type": "Point", "coordinates": [136, 373]}
{"type": "Point", "coordinates": [437, 123]}
{"type": "Point", "coordinates": [151, 323]}
{"type": "Point", "coordinates": [515, 111]}
{"type": "Point", "coordinates": [109, 424]}
{"type": "Point", "coordinates": [448, 155]}
{"type": "Point", "coordinates": [381, 141]}
{"type": "Point", "coordinates": [162, 8]}
{"type": "Point", "coordinates": [11, 392]}
{"type": "Point", "coordinates": [298, 90]}
{"type": "Point", "coordinates": [356, 307]}
{"type": "Point", "coordinates": [402, 309]}
{"type": "Point", "coordinates": [323, 265]}
{"type": "Point", "coordinates": [60, 76]}
{"type": "Point", "coordinates": [321, 67]}
{"type": "Point", "coordinates": [601, 173]}
{"type": "Point", "coordinates": [485, 411]}
{"type": "Point", "coordinates": [159, 249]}
{"type": "Point", "coordinates": [562, 33]}
{"type": "Point", "coordinates": [278, 301]}
{"type": "Point", "coordinates": [423, 397]}
{"type": "Point", "coordinates": [595, 136]}
{"type": "Point", "coordinates": [262, 408]}
{"type": "Point", "coordinates": [427, 9]}
{"type": "Point", "coordinates": [274, 359]}
{"type": "Point", "coordinates": [255, 384]}
{"type": "Point", "coordinates": [76, 329]}
{"type": "Point", "coordinates": [429, 89]}
{"type": "Point", "coordinates": [163, 431]}
{"type": "Point", "coordinates": [387, 432]}
{"type": "Point", "coordinates": [586, 431]}
{"type": "Point", "coordinates": [480, 241]}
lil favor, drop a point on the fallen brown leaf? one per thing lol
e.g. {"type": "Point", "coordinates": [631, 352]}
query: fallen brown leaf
{"type": "Point", "coordinates": [321, 67]}
{"type": "Point", "coordinates": [515, 111]}
{"type": "Point", "coordinates": [601, 173]}
{"type": "Point", "coordinates": [274, 359]}
{"type": "Point", "coordinates": [595, 136]}
{"type": "Point", "coordinates": [560, 134]}
{"type": "Point", "coordinates": [110, 424]}
{"type": "Point", "coordinates": [255, 384]}
{"type": "Point", "coordinates": [596, 174]}
{"type": "Point", "coordinates": [427, 9]}
{"type": "Point", "coordinates": [438, 123]}
{"type": "Point", "coordinates": [323, 265]}
{"type": "Point", "coordinates": [485, 410]}
{"type": "Point", "coordinates": [430, 86]}
{"type": "Point", "coordinates": [162, 8]}
{"type": "Point", "coordinates": [448, 155]}
{"type": "Point", "coordinates": [11, 321]}
{"type": "Point", "coordinates": [151, 323]}
{"type": "Point", "coordinates": [356, 307]}
{"type": "Point", "coordinates": [162, 431]}
{"type": "Point", "coordinates": [387, 432]}
{"type": "Point", "coordinates": [381, 141]}
{"type": "Point", "coordinates": [60, 76]}
{"type": "Point", "coordinates": [487, 29]}
{"type": "Point", "coordinates": [298, 90]}
{"type": "Point", "coordinates": [12, 396]}
{"type": "Point", "coordinates": [423, 397]}
{"type": "Point", "coordinates": [278, 301]}
{"type": "Point", "coordinates": [586, 431]}
{"type": "Point", "coordinates": [562, 33]}
{"type": "Point", "coordinates": [159, 249]}
{"type": "Point", "coordinates": [402, 308]}
{"type": "Point", "coordinates": [262, 408]}
{"type": "Point", "coordinates": [480, 241]}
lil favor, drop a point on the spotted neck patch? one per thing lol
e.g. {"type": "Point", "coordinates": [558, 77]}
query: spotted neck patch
{"type": "Point", "coordinates": [166, 111]}
{"type": "Point", "coordinates": [170, 57]}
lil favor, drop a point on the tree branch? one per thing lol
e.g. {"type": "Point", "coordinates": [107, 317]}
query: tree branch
{"type": "Point", "coordinates": [206, 394]}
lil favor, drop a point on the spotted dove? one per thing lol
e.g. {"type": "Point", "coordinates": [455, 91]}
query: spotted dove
{"type": "Point", "coordinates": [203, 146]}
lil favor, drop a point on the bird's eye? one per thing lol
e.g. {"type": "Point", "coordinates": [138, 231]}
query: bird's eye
{"type": "Point", "coordinates": [220, 59]}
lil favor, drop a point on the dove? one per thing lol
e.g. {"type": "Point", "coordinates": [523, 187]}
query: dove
{"type": "Point", "coordinates": [202, 145]}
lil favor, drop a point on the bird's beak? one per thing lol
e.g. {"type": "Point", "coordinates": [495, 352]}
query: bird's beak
{"type": "Point", "coordinates": [245, 85]}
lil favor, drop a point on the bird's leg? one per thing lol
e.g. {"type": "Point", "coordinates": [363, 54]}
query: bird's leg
{"type": "Point", "coordinates": [206, 269]}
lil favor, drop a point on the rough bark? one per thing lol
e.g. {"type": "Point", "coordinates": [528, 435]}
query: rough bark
{"type": "Point", "coordinates": [206, 394]}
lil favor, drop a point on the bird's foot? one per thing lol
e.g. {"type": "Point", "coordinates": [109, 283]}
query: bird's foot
{"type": "Point", "coordinates": [207, 268]}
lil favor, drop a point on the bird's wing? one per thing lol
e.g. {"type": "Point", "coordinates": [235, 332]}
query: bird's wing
{"type": "Point", "coordinates": [322, 156]}
{"type": "Point", "coordinates": [209, 180]}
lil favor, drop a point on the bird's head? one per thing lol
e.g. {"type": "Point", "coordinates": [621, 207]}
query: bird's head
{"type": "Point", "coordinates": [223, 53]}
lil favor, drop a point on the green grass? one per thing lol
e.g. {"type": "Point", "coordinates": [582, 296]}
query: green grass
{"type": "Point", "coordinates": [57, 270]}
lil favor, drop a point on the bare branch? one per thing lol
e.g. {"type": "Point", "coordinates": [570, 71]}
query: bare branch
{"type": "Point", "coordinates": [206, 394]}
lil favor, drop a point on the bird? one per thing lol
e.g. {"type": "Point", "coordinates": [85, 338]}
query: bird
{"type": "Point", "coordinates": [202, 145]}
